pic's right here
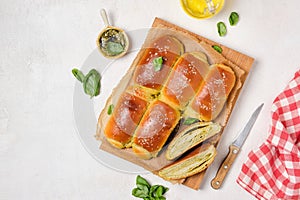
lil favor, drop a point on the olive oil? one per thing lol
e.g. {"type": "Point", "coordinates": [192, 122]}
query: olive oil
{"type": "Point", "coordinates": [202, 9]}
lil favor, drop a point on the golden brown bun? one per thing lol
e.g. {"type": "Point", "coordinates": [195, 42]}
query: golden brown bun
{"type": "Point", "coordinates": [191, 136]}
{"type": "Point", "coordinates": [167, 47]}
{"type": "Point", "coordinates": [195, 162]}
{"type": "Point", "coordinates": [212, 95]}
{"type": "Point", "coordinates": [124, 120]}
{"type": "Point", "coordinates": [154, 129]}
{"type": "Point", "coordinates": [185, 78]}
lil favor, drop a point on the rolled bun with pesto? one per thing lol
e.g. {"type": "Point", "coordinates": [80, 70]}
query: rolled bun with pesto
{"type": "Point", "coordinates": [195, 162]}
{"type": "Point", "coordinates": [190, 137]}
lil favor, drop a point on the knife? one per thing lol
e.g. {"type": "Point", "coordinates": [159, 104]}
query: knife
{"type": "Point", "coordinates": [234, 149]}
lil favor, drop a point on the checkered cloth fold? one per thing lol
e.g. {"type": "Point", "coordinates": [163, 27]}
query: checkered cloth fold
{"type": "Point", "coordinates": [273, 171]}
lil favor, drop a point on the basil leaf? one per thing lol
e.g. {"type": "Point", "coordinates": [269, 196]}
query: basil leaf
{"type": "Point", "coordinates": [139, 193]}
{"type": "Point", "coordinates": [162, 198]}
{"type": "Point", "coordinates": [233, 18]}
{"type": "Point", "coordinates": [157, 63]}
{"type": "Point", "coordinates": [114, 48]}
{"type": "Point", "coordinates": [144, 188]}
{"type": "Point", "coordinates": [217, 48]}
{"type": "Point", "coordinates": [110, 109]}
{"type": "Point", "coordinates": [78, 74]}
{"type": "Point", "coordinates": [159, 191]}
{"type": "Point", "coordinates": [91, 83]}
{"type": "Point", "coordinates": [152, 190]}
{"type": "Point", "coordinates": [141, 181]}
{"type": "Point", "coordinates": [222, 30]}
{"type": "Point", "coordinates": [190, 121]}
{"type": "Point", "coordinates": [165, 189]}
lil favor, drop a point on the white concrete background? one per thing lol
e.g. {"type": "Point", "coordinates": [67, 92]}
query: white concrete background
{"type": "Point", "coordinates": [41, 41]}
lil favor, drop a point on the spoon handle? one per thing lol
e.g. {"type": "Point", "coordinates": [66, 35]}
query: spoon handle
{"type": "Point", "coordinates": [104, 17]}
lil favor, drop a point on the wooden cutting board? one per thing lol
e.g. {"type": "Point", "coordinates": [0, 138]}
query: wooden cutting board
{"type": "Point", "coordinates": [240, 62]}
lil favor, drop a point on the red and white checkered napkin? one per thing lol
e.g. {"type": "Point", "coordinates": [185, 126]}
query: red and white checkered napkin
{"type": "Point", "coordinates": [273, 171]}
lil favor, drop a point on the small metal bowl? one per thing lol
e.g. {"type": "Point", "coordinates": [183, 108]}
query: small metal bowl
{"type": "Point", "coordinates": [112, 42]}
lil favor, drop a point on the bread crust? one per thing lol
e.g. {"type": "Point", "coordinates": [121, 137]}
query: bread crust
{"type": "Point", "coordinates": [154, 129]}
{"type": "Point", "coordinates": [125, 118]}
{"type": "Point", "coordinates": [167, 47]}
{"type": "Point", "coordinates": [185, 78]}
{"type": "Point", "coordinates": [212, 94]}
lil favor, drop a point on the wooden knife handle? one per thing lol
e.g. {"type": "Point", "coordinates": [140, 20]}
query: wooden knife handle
{"type": "Point", "coordinates": [225, 166]}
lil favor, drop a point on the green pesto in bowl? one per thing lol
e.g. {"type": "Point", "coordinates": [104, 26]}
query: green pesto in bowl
{"type": "Point", "coordinates": [113, 42]}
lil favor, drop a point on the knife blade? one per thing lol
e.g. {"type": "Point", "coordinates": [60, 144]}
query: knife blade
{"type": "Point", "coordinates": [234, 149]}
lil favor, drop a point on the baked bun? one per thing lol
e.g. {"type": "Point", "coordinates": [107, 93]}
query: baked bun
{"type": "Point", "coordinates": [195, 162]}
{"type": "Point", "coordinates": [212, 94]}
{"type": "Point", "coordinates": [124, 120]}
{"type": "Point", "coordinates": [167, 47]}
{"type": "Point", "coordinates": [185, 78]}
{"type": "Point", "coordinates": [154, 129]}
{"type": "Point", "coordinates": [191, 136]}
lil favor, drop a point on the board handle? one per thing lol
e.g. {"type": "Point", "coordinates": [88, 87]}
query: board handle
{"type": "Point", "coordinates": [225, 166]}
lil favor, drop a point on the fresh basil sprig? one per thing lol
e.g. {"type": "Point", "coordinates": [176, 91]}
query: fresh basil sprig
{"type": "Point", "coordinates": [217, 48]}
{"type": "Point", "coordinates": [157, 63]}
{"type": "Point", "coordinates": [147, 192]}
{"type": "Point", "coordinates": [233, 18]}
{"type": "Point", "coordinates": [222, 30]}
{"type": "Point", "coordinates": [91, 82]}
